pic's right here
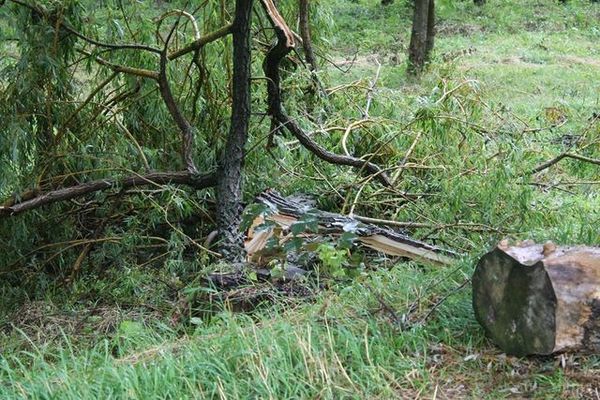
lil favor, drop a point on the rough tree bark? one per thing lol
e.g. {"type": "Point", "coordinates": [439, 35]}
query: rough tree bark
{"type": "Point", "coordinates": [422, 35]}
{"type": "Point", "coordinates": [229, 186]}
{"type": "Point", "coordinates": [539, 299]}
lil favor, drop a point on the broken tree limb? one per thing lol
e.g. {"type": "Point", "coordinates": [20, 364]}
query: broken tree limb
{"type": "Point", "coordinates": [186, 129]}
{"type": "Point", "coordinates": [285, 44]}
{"type": "Point", "coordinates": [556, 159]}
{"type": "Point", "coordinates": [539, 299]}
{"type": "Point", "coordinates": [202, 41]}
{"type": "Point", "coordinates": [285, 211]}
{"type": "Point", "coordinates": [62, 24]}
{"type": "Point", "coordinates": [141, 72]}
{"type": "Point", "coordinates": [304, 22]}
{"type": "Point", "coordinates": [157, 178]}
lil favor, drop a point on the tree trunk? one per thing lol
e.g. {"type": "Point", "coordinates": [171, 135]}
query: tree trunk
{"type": "Point", "coordinates": [417, 51]}
{"type": "Point", "coordinates": [430, 29]}
{"type": "Point", "coordinates": [534, 299]}
{"type": "Point", "coordinates": [229, 187]}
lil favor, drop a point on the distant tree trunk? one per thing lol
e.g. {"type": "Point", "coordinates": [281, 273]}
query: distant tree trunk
{"type": "Point", "coordinates": [420, 41]}
{"type": "Point", "coordinates": [429, 42]}
{"type": "Point", "coordinates": [229, 187]}
{"type": "Point", "coordinates": [305, 33]}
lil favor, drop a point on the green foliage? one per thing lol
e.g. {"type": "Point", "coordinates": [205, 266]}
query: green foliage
{"type": "Point", "coordinates": [332, 260]}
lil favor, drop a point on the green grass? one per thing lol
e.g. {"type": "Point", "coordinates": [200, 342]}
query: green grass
{"type": "Point", "coordinates": [110, 337]}
{"type": "Point", "coordinates": [343, 346]}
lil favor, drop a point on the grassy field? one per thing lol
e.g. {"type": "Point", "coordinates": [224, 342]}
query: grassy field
{"type": "Point", "coordinates": [511, 85]}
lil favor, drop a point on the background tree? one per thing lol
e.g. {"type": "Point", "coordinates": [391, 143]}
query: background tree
{"type": "Point", "coordinates": [422, 35]}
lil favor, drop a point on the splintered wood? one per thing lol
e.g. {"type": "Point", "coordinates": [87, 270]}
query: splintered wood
{"type": "Point", "coordinates": [286, 211]}
{"type": "Point", "coordinates": [539, 299]}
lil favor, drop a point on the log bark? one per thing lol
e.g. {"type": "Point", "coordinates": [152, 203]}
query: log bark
{"type": "Point", "coordinates": [539, 299]}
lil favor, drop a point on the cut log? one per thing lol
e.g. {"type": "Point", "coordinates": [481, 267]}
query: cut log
{"type": "Point", "coordinates": [285, 211]}
{"type": "Point", "coordinates": [539, 299]}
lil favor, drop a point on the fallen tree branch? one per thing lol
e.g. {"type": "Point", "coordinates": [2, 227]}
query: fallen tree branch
{"type": "Point", "coordinates": [349, 129]}
{"type": "Point", "coordinates": [179, 13]}
{"type": "Point", "coordinates": [84, 103]}
{"type": "Point", "coordinates": [201, 41]}
{"type": "Point", "coordinates": [409, 224]}
{"type": "Point", "coordinates": [372, 85]}
{"type": "Point", "coordinates": [198, 43]}
{"type": "Point", "coordinates": [76, 268]}
{"type": "Point", "coordinates": [402, 165]}
{"type": "Point", "coordinates": [384, 306]}
{"type": "Point", "coordinates": [141, 72]}
{"type": "Point", "coordinates": [285, 211]}
{"type": "Point", "coordinates": [70, 29]}
{"type": "Point", "coordinates": [157, 178]}
{"type": "Point", "coordinates": [186, 129]}
{"type": "Point", "coordinates": [443, 299]}
{"type": "Point", "coordinates": [285, 44]}
{"type": "Point", "coordinates": [556, 159]}
{"type": "Point", "coordinates": [304, 22]}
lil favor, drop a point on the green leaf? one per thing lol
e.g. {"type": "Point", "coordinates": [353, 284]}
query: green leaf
{"type": "Point", "coordinates": [346, 240]}
{"type": "Point", "coordinates": [293, 245]}
{"type": "Point", "coordinates": [250, 213]}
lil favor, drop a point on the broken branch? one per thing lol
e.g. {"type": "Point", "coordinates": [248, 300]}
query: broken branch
{"type": "Point", "coordinates": [200, 42]}
{"type": "Point", "coordinates": [157, 178]}
{"type": "Point", "coordinates": [556, 159]}
{"type": "Point", "coordinates": [285, 211]}
{"type": "Point", "coordinates": [285, 43]}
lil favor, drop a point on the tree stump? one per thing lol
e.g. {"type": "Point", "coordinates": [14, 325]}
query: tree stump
{"type": "Point", "coordinates": [539, 299]}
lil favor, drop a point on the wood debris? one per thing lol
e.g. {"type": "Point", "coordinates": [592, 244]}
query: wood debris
{"type": "Point", "coordinates": [287, 211]}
